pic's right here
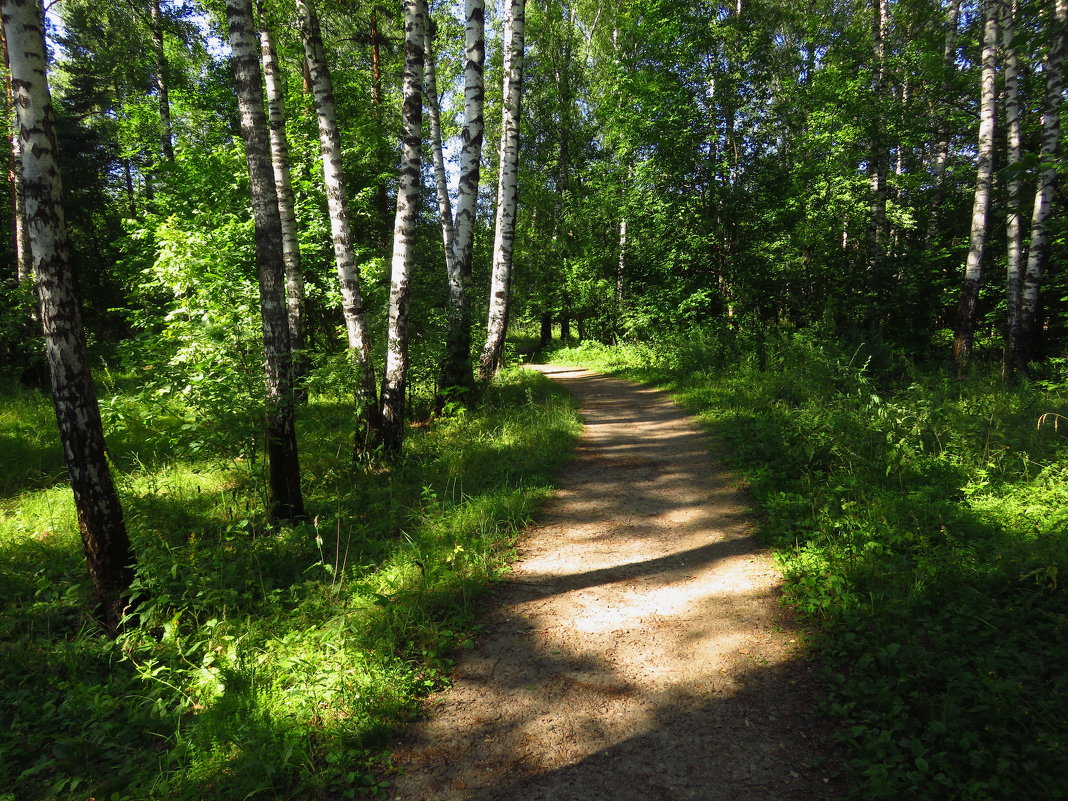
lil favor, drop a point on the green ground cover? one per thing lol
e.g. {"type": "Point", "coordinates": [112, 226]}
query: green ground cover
{"type": "Point", "coordinates": [267, 663]}
{"type": "Point", "coordinates": [921, 523]}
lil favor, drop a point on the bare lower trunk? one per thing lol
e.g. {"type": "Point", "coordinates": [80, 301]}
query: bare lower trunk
{"type": "Point", "coordinates": [1013, 228]}
{"type": "Point", "coordinates": [285, 501]}
{"type": "Point", "coordinates": [395, 378]}
{"type": "Point", "coordinates": [107, 547]}
{"type": "Point", "coordinates": [507, 193]}
{"type": "Point", "coordinates": [351, 298]}
{"type": "Point", "coordinates": [276, 118]}
{"type": "Point", "coordinates": [166, 127]}
{"type": "Point", "coordinates": [1047, 177]}
{"type": "Point", "coordinates": [457, 376]}
{"type": "Point", "coordinates": [969, 297]}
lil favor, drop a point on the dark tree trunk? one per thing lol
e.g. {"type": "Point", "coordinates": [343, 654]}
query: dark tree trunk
{"type": "Point", "coordinates": [285, 501]}
{"type": "Point", "coordinates": [166, 132]}
{"type": "Point", "coordinates": [104, 538]}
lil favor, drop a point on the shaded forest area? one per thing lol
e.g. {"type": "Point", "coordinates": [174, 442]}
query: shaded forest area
{"type": "Point", "coordinates": [284, 256]}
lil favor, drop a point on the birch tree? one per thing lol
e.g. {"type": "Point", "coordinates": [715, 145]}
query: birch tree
{"type": "Point", "coordinates": [1013, 151]}
{"type": "Point", "coordinates": [507, 192]}
{"type": "Point", "coordinates": [285, 501]}
{"type": "Point", "coordinates": [359, 340]}
{"type": "Point", "coordinates": [969, 296]}
{"type": "Point", "coordinates": [456, 369]}
{"type": "Point", "coordinates": [104, 539]}
{"type": "Point", "coordinates": [20, 236]}
{"type": "Point", "coordinates": [1020, 346]}
{"type": "Point", "coordinates": [394, 380]}
{"type": "Point", "coordinates": [276, 118]}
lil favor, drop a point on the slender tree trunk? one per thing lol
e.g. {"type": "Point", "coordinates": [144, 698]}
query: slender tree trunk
{"type": "Point", "coordinates": [1013, 227]}
{"type": "Point", "coordinates": [938, 168]}
{"type": "Point", "coordinates": [878, 159]}
{"type": "Point", "coordinates": [456, 371]}
{"type": "Point", "coordinates": [395, 378]}
{"type": "Point", "coordinates": [381, 198]}
{"type": "Point", "coordinates": [507, 192]}
{"type": "Point", "coordinates": [20, 237]}
{"type": "Point", "coordinates": [969, 297]}
{"type": "Point", "coordinates": [430, 91]}
{"type": "Point", "coordinates": [546, 330]}
{"type": "Point", "coordinates": [285, 501]}
{"type": "Point", "coordinates": [1047, 176]}
{"type": "Point", "coordinates": [167, 130]}
{"type": "Point", "coordinates": [104, 538]}
{"type": "Point", "coordinates": [352, 300]}
{"type": "Point", "coordinates": [276, 118]}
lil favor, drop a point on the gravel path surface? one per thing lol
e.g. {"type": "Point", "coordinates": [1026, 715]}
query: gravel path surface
{"type": "Point", "coordinates": [639, 651]}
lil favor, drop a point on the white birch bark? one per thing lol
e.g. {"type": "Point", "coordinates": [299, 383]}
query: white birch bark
{"type": "Point", "coordinates": [456, 370]}
{"type": "Point", "coordinates": [104, 538]}
{"type": "Point", "coordinates": [1013, 226]}
{"type": "Point", "coordinates": [507, 192]}
{"type": "Point", "coordinates": [276, 120]}
{"type": "Point", "coordinates": [285, 501]}
{"type": "Point", "coordinates": [395, 378]}
{"type": "Point", "coordinates": [23, 266]}
{"type": "Point", "coordinates": [433, 109]}
{"type": "Point", "coordinates": [1047, 176]}
{"type": "Point", "coordinates": [337, 202]}
{"type": "Point", "coordinates": [969, 298]}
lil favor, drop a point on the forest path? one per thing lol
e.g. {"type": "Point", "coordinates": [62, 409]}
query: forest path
{"type": "Point", "coordinates": [639, 651]}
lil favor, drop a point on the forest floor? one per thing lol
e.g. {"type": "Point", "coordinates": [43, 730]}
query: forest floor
{"type": "Point", "coordinates": [639, 650]}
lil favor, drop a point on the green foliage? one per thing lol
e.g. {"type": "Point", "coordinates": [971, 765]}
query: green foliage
{"type": "Point", "coordinates": [920, 526]}
{"type": "Point", "coordinates": [261, 663]}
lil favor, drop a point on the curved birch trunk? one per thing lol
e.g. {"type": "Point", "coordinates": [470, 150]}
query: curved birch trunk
{"type": "Point", "coordinates": [395, 378]}
{"type": "Point", "coordinates": [1013, 227]}
{"type": "Point", "coordinates": [167, 128]}
{"type": "Point", "coordinates": [337, 201]}
{"type": "Point", "coordinates": [1051, 128]}
{"type": "Point", "coordinates": [507, 193]}
{"type": "Point", "coordinates": [456, 370]}
{"type": "Point", "coordinates": [104, 539]}
{"type": "Point", "coordinates": [969, 296]}
{"type": "Point", "coordinates": [276, 119]}
{"type": "Point", "coordinates": [285, 501]}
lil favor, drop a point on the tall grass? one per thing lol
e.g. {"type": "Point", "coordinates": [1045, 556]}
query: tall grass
{"type": "Point", "coordinates": [921, 524]}
{"type": "Point", "coordinates": [267, 663]}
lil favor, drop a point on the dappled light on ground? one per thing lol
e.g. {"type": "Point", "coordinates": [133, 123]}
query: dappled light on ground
{"type": "Point", "coordinates": [640, 651]}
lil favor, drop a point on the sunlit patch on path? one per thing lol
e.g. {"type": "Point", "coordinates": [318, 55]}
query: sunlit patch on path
{"type": "Point", "coordinates": [640, 651]}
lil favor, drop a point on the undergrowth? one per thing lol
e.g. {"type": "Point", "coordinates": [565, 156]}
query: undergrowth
{"type": "Point", "coordinates": [266, 663]}
{"type": "Point", "coordinates": [921, 525]}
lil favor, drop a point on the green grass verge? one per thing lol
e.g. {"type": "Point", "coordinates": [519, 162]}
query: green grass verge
{"type": "Point", "coordinates": [922, 525]}
{"type": "Point", "coordinates": [268, 663]}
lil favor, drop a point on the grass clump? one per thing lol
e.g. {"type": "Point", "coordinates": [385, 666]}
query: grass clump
{"type": "Point", "coordinates": [266, 663]}
{"type": "Point", "coordinates": [920, 523]}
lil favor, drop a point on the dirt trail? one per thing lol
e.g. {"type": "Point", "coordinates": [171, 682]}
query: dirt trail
{"type": "Point", "coordinates": [639, 651]}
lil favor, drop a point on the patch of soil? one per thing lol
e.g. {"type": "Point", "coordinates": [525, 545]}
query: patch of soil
{"type": "Point", "coordinates": [639, 651]}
